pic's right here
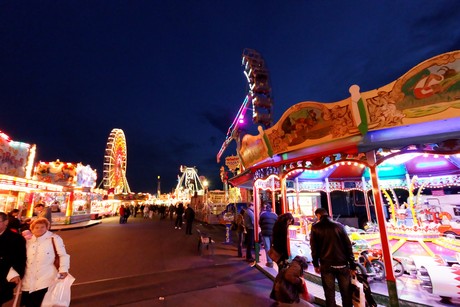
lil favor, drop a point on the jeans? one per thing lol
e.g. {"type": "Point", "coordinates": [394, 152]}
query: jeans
{"type": "Point", "coordinates": [328, 277]}
{"type": "Point", "coordinates": [267, 245]}
{"type": "Point", "coordinates": [178, 221]}
{"type": "Point", "coordinates": [240, 244]}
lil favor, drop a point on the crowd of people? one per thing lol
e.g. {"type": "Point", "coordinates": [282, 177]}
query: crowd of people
{"type": "Point", "coordinates": [148, 211]}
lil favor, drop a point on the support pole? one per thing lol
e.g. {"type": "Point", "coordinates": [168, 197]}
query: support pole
{"type": "Point", "coordinates": [283, 193]}
{"type": "Point", "coordinates": [328, 194]}
{"type": "Point", "coordinates": [366, 200]}
{"type": "Point", "coordinates": [387, 257]}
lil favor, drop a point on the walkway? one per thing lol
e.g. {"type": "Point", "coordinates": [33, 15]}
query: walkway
{"type": "Point", "coordinates": [410, 293]}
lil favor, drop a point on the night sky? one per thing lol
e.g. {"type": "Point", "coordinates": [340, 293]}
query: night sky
{"type": "Point", "coordinates": [169, 73]}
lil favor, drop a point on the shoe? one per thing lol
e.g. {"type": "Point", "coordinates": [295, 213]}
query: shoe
{"type": "Point", "coordinates": [180, 228]}
{"type": "Point", "coordinates": [175, 227]}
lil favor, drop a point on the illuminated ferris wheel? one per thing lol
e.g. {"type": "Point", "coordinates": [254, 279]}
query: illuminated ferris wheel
{"type": "Point", "coordinates": [115, 159]}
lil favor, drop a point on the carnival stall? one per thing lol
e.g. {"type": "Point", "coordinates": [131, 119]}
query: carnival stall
{"type": "Point", "coordinates": [405, 135]}
{"type": "Point", "coordinates": [16, 183]}
{"type": "Point", "coordinates": [74, 203]}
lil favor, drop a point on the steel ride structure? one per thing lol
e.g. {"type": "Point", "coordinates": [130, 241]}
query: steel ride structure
{"type": "Point", "coordinates": [115, 158]}
{"type": "Point", "coordinates": [188, 184]}
{"type": "Point", "coordinates": [259, 95]}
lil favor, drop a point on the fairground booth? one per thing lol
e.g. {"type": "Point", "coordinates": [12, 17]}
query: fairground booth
{"type": "Point", "coordinates": [74, 203]}
{"type": "Point", "coordinates": [387, 159]}
{"type": "Point", "coordinates": [66, 189]}
{"type": "Point", "coordinates": [16, 183]}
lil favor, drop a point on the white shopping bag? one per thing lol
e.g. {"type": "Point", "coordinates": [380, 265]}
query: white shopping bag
{"type": "Point", "coordinates": [58, 294]}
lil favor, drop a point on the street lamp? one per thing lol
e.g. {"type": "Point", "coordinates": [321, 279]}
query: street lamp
{"type": "Point", "coordinates": [158, 187]}
{"type": "Point", "coordinates": [205, 185]}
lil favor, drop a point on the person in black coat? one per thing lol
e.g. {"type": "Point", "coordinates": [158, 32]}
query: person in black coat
{"type": "Point", "coordinates": [189, 217]}
{"type": "Point", "coordinates": [333, 257]}
{"type": "Point", "coordinates": [12, 259]}
{"type": "Point", "coordinates": [179, 213]}
{"type": "Point", "coordinates": [280, 238]}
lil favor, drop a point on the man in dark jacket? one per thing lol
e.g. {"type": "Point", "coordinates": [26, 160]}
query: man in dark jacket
{"type": "Point", "coordinates": [189, 217]}
{"type": "Point", "coordinates": [12, 259]}
{"type": "Point", "coordinates": [332, 255]}
{"type": "Point", "coordinates": [266, 221]}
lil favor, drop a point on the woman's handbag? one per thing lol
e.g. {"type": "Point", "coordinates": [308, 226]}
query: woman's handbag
{"type": "Point", "coordinates": [56, 256]}
{"type": "Point", "coordinates": [274, 255]}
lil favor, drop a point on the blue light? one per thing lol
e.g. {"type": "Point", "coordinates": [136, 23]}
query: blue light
{"type": "Point", "coordinates": [431, 164]}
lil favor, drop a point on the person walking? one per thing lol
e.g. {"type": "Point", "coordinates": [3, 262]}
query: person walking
{"type": "Point", "coordinates": [281, 242]}
{"type": "Point", "coordinates": [266, 222]}
{"type": "Point", "coordinates": [249, 225]}
{"type": "Point", "coordinates": [179, 213]}
{"type": "Point", "coordinates": [189, 217]}
{"type": "Point", "coordinates": [121, 211]}
{"type": "Point", "coordinates": [241, 231]}
{"type": "Point", "coordinates": [40, 270]}
{"type": "Point", "coordinates": [127, 214]}
{"type": "Point", "coordinates": [12, 259]}
{"type": "Point", "coordinates": [171, 211]}
{"type": "Point", "coordinates": [333, 258]}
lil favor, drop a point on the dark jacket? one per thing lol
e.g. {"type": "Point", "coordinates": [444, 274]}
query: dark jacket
{"type": "Point", "coordinates": [266, 221]}
{"type": "Point", "coordinates": [189, 214]}
{"type": "Point", "coordinates": [330, 244]}
{"type": "Point", "coordinates": [280, 238]}
{"type": "Point", "coordinates": [12, 254]}
{"type": "Point", "coordinates": [180, 209]}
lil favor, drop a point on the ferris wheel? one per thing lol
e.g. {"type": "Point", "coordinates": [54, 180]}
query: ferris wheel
{"type": "Point", "coordinates": [115, 159]}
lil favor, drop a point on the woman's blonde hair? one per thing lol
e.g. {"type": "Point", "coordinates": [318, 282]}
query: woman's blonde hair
{"type": "Point", "coordinates": [40, 220]}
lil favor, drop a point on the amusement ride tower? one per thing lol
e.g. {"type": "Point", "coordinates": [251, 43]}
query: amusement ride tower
{"type": "Point", "coordinates": [259, 95]}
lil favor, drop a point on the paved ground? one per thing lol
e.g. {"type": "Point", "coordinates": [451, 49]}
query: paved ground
{"type": "Point", "coordinates": [149, 263]}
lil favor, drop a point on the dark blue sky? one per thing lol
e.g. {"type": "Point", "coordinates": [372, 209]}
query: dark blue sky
{"type": "Point", "coordinates": [169, 74]}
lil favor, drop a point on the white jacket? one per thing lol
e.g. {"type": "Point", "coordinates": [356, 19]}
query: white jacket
{"type": "Point", "coordinates": [40, 269]}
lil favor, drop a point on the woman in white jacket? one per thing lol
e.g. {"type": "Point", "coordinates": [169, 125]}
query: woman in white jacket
{"type": "Point", "coordinates": [40, 268]}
